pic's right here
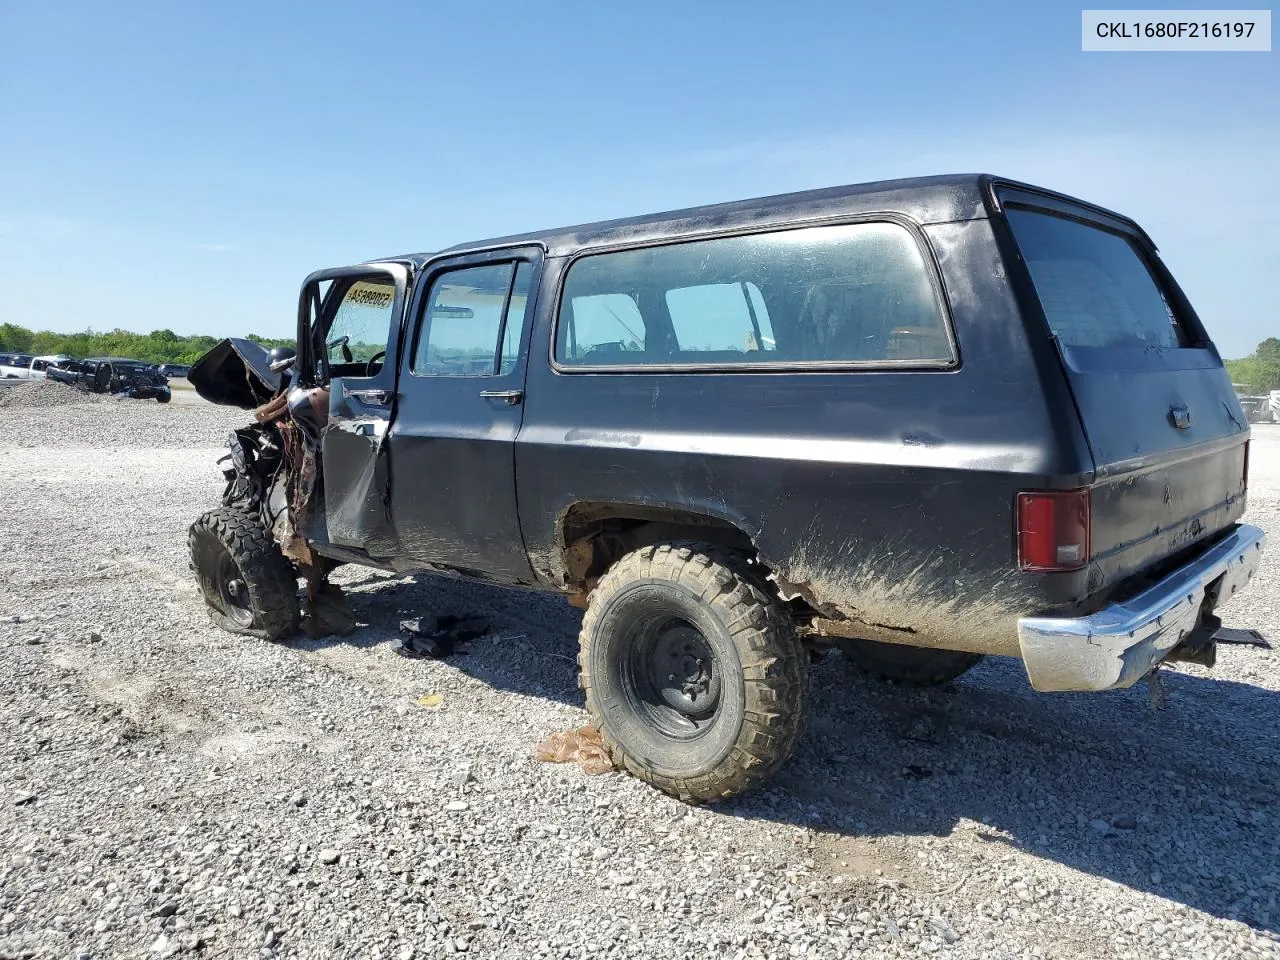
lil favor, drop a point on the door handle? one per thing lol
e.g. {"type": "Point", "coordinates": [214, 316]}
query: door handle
{"type": "Point", "coordinates": [378, 398]}
{"type": "Point", "coordinates": [512, 397]}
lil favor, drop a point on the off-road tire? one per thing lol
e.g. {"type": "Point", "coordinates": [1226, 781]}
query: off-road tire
{"type": "Point", "coordinates": [762, 688]}
{"type": "Point", "coordinates": [163, 397]}
{"type": "Point", "coordinates": [268, 579]}
{"type": "Point", "coordinates": [909, 666]}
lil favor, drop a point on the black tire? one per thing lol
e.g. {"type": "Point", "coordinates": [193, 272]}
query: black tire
{"type": "Point", "coordinates": [697, 611]}
{"type": "Point", "coordinates": [910, 666]}
{"type": "Point", "coordinates": [163, 397]}
{"type": "Point", "coordinates": [249, 586]}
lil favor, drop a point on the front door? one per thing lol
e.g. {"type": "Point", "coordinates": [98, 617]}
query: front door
{"type": "Point", "coordinates": [459, 410]}
{"type": "Point", "coordinates": [353, 348]}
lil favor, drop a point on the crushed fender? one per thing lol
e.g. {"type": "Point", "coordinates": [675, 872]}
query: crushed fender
{"type": "Point", "coordinates": [582, 745]}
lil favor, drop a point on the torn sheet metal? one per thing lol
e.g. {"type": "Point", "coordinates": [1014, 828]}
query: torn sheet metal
{"type": "Point", "coordinates": [235, 373]}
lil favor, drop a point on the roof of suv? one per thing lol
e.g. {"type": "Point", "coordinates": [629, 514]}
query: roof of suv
{"type": "Point", "coordinates": [938, 199]}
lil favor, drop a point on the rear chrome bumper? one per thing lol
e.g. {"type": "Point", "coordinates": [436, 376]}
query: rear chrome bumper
{"type": "Point", "coordinates": [1123, 642]}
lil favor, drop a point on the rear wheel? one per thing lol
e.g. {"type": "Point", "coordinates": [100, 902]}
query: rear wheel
{"type": "Point", "coordinates": [912, 666]}
{"type": "Point", "coordinates": [247, 583]}
{"type": "Point", "coordinates": [692, 672]}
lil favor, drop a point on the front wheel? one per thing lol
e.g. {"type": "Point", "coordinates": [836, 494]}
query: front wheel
{"type": "Point", "coordinates": [692, 671]}
{"type": "Point", "coordinates": [246, 581]}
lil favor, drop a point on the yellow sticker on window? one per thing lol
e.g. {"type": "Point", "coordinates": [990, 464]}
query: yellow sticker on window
{"type": "Point", "coordinates": [364, 293]}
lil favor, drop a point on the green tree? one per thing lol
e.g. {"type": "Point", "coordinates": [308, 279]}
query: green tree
{"type": "Point", "coordinates": [1260, 371]}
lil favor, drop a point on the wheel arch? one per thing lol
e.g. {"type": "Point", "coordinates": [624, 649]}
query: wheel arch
{"type": "Point", "coordinates": [593, 534]}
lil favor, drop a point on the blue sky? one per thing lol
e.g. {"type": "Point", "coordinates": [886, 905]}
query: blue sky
{"type": "Point", "coordinates": [184, 165]}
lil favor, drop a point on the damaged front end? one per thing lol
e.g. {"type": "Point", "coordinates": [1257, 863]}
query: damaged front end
{"type": "Point", "coordinates": [272, 466]}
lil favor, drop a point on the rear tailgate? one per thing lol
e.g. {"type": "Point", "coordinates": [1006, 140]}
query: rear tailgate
{"type": "Point", "coordinates": [1165, 428]}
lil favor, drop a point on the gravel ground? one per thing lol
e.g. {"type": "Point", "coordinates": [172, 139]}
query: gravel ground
{"type": "Point", "coordinates": [166, 788]}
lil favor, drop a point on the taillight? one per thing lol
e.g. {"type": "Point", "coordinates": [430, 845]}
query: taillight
{"type": "Point", "coordinates": [1053, 530]}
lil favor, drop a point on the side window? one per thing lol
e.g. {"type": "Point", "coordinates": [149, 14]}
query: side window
{"type": "Point", "coordinates": [601, 325]}
{"type": "Point", "coordinates": [851, 293]}
{"type": "Point", "coordinates": [719, 317]}
{"type": "Point", "coordinates": [361, 325]}
{"type": "Point", "coordinates": [467, 311]}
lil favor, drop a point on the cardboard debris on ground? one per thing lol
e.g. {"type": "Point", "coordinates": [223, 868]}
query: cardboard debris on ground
{"type": "Point", "coordinates": [583, 745]}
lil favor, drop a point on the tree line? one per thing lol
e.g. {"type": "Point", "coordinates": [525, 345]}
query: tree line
{"type": "Point", "coordinates": [159, 346]}
{"type": "Point", "coordinates": [1259, 372]}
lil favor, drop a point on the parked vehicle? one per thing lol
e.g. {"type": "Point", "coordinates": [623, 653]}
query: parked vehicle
{"type": "Point", "coordinates": [116, 375]}
{"type": "Point", "coordinates": [924, 420]}
{"type": "Point", "coordinates": [172, 369]}
{"type": "Point", "coordinates": [33, 369]}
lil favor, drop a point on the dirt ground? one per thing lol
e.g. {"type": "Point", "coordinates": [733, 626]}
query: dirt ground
{"type": "Point", "coordinates": [168, 788]}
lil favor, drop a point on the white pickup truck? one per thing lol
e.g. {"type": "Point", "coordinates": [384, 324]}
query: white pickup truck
{"type": "Point", "coordinates": [34, 370]}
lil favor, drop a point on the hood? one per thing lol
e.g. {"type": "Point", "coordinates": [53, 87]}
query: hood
{"type": "Point", "coordinates": [235, 373]}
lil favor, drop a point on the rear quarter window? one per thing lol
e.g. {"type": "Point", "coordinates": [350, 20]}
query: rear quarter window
{"type": "Point", "coordinates": [1094, 286]}
{"type": "Point", "coordinates": [859, 293]}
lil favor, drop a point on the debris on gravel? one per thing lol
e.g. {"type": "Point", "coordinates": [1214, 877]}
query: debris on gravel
{"type": "Point", "coordinates": [152, 780]}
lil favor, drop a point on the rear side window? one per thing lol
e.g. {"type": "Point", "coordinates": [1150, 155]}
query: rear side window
{"type": "Point", "coordinates": [846, 294]}
{"type": "Point", "coordinates": [1094, 286]}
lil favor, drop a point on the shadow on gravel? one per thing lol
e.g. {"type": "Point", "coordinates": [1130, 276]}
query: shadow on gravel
{"type": "Point", "coordinates": [1180, 802]}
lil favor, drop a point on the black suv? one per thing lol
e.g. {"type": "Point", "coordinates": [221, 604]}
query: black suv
{"type": "Point", "coordinates": [924, 420]}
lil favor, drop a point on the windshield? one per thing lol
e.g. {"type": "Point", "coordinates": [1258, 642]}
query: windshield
{"type": "Point", "coordinates": [1094, 286]}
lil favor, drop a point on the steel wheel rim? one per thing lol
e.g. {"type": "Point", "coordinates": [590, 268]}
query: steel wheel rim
{"type": "Point", "coordinates": [672, 677]}
{"type": "Point", "coordinates": [232, 591]}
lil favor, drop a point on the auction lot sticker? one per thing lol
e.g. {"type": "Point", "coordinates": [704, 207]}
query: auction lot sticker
{"type": "Point", "coordinates": [1233, 31]}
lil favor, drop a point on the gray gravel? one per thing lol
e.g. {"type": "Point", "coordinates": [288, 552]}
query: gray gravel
{"type": "Point", "coordinates": [45, 393]}
{"type": "Point", "coordinates": [166, 788]}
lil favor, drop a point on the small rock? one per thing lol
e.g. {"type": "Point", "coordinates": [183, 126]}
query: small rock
{"type": "Point", "coordinates": [620, 879]}
{"type": "Point", "coordinates": [270, 939]}
{"type": "Point", "coordinates": [945, 930]}
{"type": "Point", "coordinates": [95, 637]}
{"type": "Point", "coordinates": [1125, 823]}
{"type": "Point", "coordinates": [34, 640]}
{"type": "Point", "coordinates": [102, 926]}
{"type": "Point", "coordinates": [600, 853]}
{"type": "Point", "coordinates": [236, 910]}
{"type": "Point", "coordinates": [329, 857]}
{"type": "Point", "coordinates": [1100, 825]}
{"type": "Point", "coordinates": [24, 798]}
{"type": "Point", "coordinates": [300, 800]}
{"type": "Point", "coordinates": [461, 943]}
{"type": "Point", "coordinates": [167, 909]}
{"type": "Point", "coordinates": [463, 775]}
{"type": "Point", "coordinates": [457, 806]}
{"type": "Point", "coordinates": [162, 945]}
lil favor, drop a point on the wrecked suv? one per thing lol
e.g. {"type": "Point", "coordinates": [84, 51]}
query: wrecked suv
{"type": "Point", "coordinates": [924, 420]}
